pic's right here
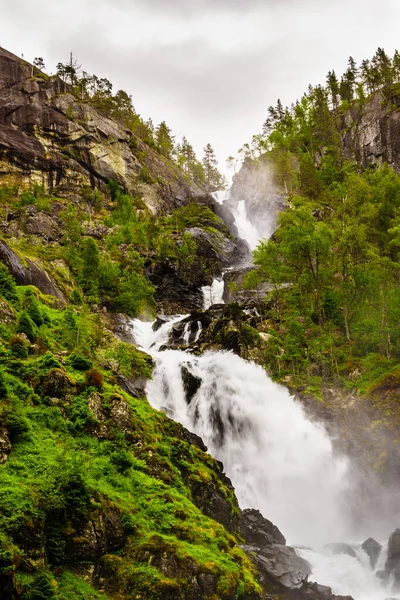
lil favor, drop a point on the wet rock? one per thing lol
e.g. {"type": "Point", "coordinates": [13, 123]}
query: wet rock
{"type": "Point", "coordinates": [258, 531]}
{"type": "Point", "coordinates": [5, 446]}
{"type": "Point", "coordinates": [341, 548]}
{"type": "Point", "coordinates": [219, 248]}
{"type": "Point", "coordinates": [87, 539]}
{"type": "Point", "coordinates": [160, 321]}
{"type": "Point", "coordinates": [392, 567]}
{"type": "Point", "coordinates": [191, 384]}
{"type": "Point", "coordinates": [121, 326]}
{"type": "Point", "coordinates": [57, 384]}
{"type": "Point", "coordinates": [315, 591]}
{"type": "Point", "coordinates": [134, 386]}
{"type": "Point", "coordinates": [31, 274]}
{"type": "Point", "coordinates": [373, 549]}
{"type": "Point", "coordinates": [394, 545]}
{"type": "Point", "coordinates": [283, 565]}
{"type": "Point", "coordinates": [43, 226]}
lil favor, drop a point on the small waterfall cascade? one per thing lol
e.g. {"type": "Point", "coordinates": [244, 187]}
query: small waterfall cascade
{"type": "Point", "coordinates": [213, 294]}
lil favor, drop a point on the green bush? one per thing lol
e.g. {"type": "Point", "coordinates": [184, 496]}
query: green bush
{"type": "Point", "coordinates": [8, 288]}
{"type": "Point", "coordinates": [79, 362]}
{"type": "Point", "coordinates": [27, 326]}
{"type": "Point", "coordinates": [3, 386]}
{"type": "Point", "coordinates": [42, 588]}
{"type": "Point", "coordinates": [122, 460]}
{"type": "Point", "coordinates": [48, 361]}
{"type": "Point", "coordinates": [17, 425]}
{"type": "Point", "coordinates": [76, 297]}
{"type": "Point", "coordinates": [18, 346]}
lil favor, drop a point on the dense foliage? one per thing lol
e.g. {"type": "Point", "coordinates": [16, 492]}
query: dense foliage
{"type": "Point", "coordinates": [110, 245]}
{"type": "Point", "coordinates": [90, 475]}
{"type": "Point", "coordinates": [333, 262]}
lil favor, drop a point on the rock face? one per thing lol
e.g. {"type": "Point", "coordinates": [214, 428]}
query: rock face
{"type": "Point", "coordinates": [392, 567]}
{"type": "Point", "coordinates": [31, 274]}
{"type": "Point", "coordinates": [283, 565]}
{"type": "Point", "coordinates": [371, 134]}
{"type": "Point", "coordinates": [49, 137]}
{"type": "Point", "coordinates": [373, 549]}
{"type": "Point", "coordinates": [257, 530]}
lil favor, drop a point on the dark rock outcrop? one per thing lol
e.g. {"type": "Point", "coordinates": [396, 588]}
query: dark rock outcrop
{"type": "Point", "coordinates": [371, 132]}
{"type": "Point", "coordinates": [31, 274]}
{"type": "Point", "coordinates": [191, 383]}
{"type": "Point", "coordinates": [257, 530]}
{"type": "Point", "coordinates": [283, 565]}
{"type": "Point", "coordinates": [392, 567]}
{"type": "Point", "coordinates": [373, 549]}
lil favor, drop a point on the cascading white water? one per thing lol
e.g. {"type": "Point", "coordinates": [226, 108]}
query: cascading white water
{"type": "Point", "coordinates": [347, 574]}
{"type": "Point", "coordinates": [279, 461]}
{"type": "Point", "coordinates": [247, 230]}
{"type": "Point", "coordinates": [269, 448]}
{"type": "Point", "coordinates": [213, 294]}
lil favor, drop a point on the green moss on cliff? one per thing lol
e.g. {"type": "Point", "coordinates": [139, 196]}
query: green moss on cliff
{"type": "Point", "coordinates": [98, 491]}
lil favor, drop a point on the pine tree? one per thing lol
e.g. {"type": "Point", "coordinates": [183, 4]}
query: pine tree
{"type": "Point", "coordinates": [383, 67]}
{"type": "Point", "coordinates": [333, 86]}
{"type": "Point", "coordinates": [213, 177]}
{"type": "Point", "coordinates": [164, 140]}
{"type": "Point", "coordinates": [396, 65]}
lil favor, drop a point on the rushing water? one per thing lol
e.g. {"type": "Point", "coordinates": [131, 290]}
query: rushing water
{"type": "Point", "coordinates": [279, 461]}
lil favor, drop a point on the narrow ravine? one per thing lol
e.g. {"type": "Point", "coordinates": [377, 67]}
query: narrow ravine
{"type": "Point", "coordinates": [279, 461]}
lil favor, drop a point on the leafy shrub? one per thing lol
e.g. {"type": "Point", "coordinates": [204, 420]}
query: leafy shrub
{"type": "Point", "coordinates": [3, 386]}
{"type": "Point", "coordinates": [8, 287]}
{"type": "Point", "coordinates": [122, 460]}
{"type": "Point", "coordinates": [18, 346]}
{"type": "Point", "coordinates": [17, 425]}
{"type": "Point", "coordinates": [6, 561]}
{"type": "Point", "coordinates": [48, 361]}
{"type": "Point", "coordinates": [76, 297]}
{"type": "Point", "coordinates": [79, 362]}
{"type": "Point", "coordinates": [42, 588]}
{"type": "Point", "coordinates": [94, 378]}
{"type": "Point", "coordinates": [75, 491]}
{"type": "Point", "coordinates": [27, 326]}
{"type": "Point", "coordinates": [128, 523]}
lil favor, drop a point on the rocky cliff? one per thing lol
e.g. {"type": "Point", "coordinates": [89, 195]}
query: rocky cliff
{"type": "Point", "coordinates": [370, 131]}
{"type": "Point", "coordinates": [49, 137]}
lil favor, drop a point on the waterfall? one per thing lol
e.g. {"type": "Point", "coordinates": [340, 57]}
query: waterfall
{"type": "Point", "coordinates": [213, 294]}
{"type": "Point", "coordinates": [278, 460]}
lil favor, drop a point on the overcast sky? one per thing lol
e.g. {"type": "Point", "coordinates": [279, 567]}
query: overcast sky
{"type": "Point", "coordinates": [209, 68]}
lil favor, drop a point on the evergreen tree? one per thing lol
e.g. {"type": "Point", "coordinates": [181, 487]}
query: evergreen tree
{"type": "Point", "coordinates": [333, 86]}
{"type": "Point", "coordinates": [396, 65]}
{"type": "Point", "coordinates": [383, 68]}
{"type": "Point", "coordinates": [164, 140]}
